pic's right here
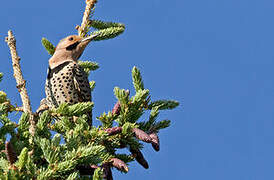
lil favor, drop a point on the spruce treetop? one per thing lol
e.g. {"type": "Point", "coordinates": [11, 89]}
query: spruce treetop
{"type": "Point", "coordinates": [58, 142]}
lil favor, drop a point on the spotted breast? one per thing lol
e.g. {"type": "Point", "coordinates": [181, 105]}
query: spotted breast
{"type": "Point", "coordinates": [67, 83]}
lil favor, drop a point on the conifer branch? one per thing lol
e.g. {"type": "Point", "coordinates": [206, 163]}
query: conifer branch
{"type": "Point", "coordinates": [21, 83]}
{"type": "Point", "coordinates": [137, 79]}
{"type": "Point", "coordinates": [23, 157]}
{"type": "Point", "coordinates": [98, 24]}
{"type": "Point", "coordinates": [108, 33]}
{"type": "Point", "coordinates": [82, 30]}
{"type": "Point", "coordinates": [88, 66]}
{"type": "Point", "coordinates": [164, 104]}
{"type": "Point", "coordinates": [48, 46]}
{"type": "Point", "coordinates": [106, 30]}
{"type": "Point", "coordinates": [92, 85]}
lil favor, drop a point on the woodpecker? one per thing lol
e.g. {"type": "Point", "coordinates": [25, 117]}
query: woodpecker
{"type": "Point", "coordinates": [66, 81]}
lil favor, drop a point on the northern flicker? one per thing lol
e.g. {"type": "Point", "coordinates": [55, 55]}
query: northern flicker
{"type": "Point", "coordinates": [67, 82]}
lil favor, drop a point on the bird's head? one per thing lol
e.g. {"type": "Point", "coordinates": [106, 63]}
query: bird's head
{"type": "Point", "coordinates": [70, 48]}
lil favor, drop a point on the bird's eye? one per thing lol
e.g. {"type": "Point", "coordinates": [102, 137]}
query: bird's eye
{"type": "Point", "coordinates": [71, 38]}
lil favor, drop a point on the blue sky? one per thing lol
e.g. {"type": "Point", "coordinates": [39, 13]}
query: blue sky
{"type": "Point", "coordinates": [214, 56]}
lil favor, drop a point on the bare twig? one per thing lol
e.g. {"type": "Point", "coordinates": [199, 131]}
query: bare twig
{"type": "Point", "coordinates": [89, 6]}
{"type": "Point", "coordinates": [19, 109]}
{"type": "Point", "coordinates": [21, 83]}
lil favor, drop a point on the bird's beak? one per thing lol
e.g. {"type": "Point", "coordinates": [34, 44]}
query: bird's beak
{"type": "Point", "coordinates": [90, 38]}
{"type": "Point", "coordinates": [81, 45]}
